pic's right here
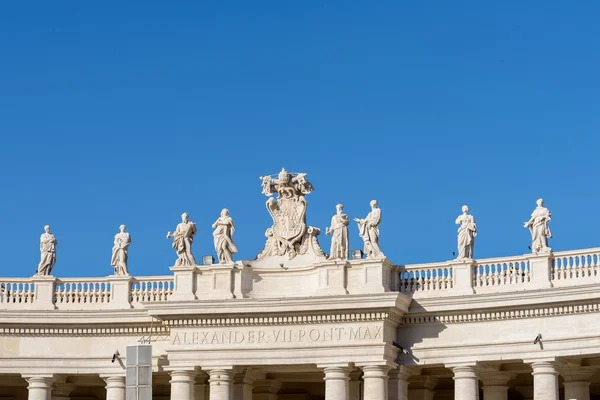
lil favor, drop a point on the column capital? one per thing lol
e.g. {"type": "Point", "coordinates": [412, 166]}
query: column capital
{"type": "Point", "coordinates": [332, 373]}
{"type": "Point", "coordinates": [182, 375]}
{"type": "Point", "coordinates": [464, 371]}
{"type": "Point", "coordinates": [39, 381]}
{"type": "Point", "coordinates": [375, 371]}
{"type": "Point", "coordinates": [544, 367]}
{"type": "Point", "coordinates": [219, 375]}
{"type": "Point", "coordinates": [496, 378]}
{"type": "Point", "coordinates": [113, 381]}
{"type": "Point", "coordinates": [423, 382]}
{"type": "Point", "coordinates": [577, 373]}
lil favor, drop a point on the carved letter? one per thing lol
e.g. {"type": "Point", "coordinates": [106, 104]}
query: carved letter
{"type": "Point", "coordinates": [354, 334]}
{"type": "Point", "coordinates": [314, 334]}
{"type": "Point", "coordinates": [378, 334]}
{"type": "Point", "coordinates": [176, 339]}
{"type": "Point", "coordinates": [251, 337]}
{"type": "Point", "coordinates": [238, 337]}
{"type": "Point", "coordinates": [301, 334]}
{"type": "Point", "coordinates": [195, 338]}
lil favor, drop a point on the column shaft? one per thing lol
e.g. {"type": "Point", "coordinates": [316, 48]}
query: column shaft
{"type": "Point", "coordinates": [220, 381]}
{"type": "Point", "coordinates": [545, 380]}
{"type": "Point", "coordinates": [182, 385]}
{"type": "Point", "coordinates": [466, 383]}
{"type": "Point", "coordinates": [495, 392]}
{"type": "Point", "coordinates": [201, 391]}
{"type": "Point", "coordinates": [375, 378]}
{"type": "Point", "coordinates": [577, 390]}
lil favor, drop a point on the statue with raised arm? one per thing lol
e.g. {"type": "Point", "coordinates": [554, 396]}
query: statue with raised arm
{"type": "Point", "coordinates": [48, 245]}
{"type": "Point", "coordinates": [339, 234]}
{"type": "Point", "coordinates": [369, 231]}
{"type": "Point", "coordinates": [466, 234]}
{"type": "Point", "coordinates": [120, 251]}
{"type": "Point", "coordinates": [182, 241]}
{"type": "Point", "coordinates": [222, 234]}
{"type": "Point", "coordinates": [538, 226]}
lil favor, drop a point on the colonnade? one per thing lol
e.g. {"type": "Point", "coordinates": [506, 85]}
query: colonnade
{"type": "Point", "coordinates": [379, 382]}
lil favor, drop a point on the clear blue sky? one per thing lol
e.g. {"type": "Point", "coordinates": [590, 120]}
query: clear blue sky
{"type": "Point", "coordinates": [134, 112]}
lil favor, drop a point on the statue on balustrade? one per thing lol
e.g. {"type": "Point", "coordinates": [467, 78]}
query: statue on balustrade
{"type": "Point", "coordinates": [538, 226]}
{"type": "Point", "coordinates": [466, 234]}
{"type": "Point", "coordinates": [48, 245]}
{"type": "Point", "coordinates": [120, 251]}
{"type": "Point", "coordinates": [369, 231]}
{"type": "Point", "coordinates": [222, 234]}
{"type": "Point", "coordinates": [339, 234]}
{"type": "Point", "coordinates": [182, 241]}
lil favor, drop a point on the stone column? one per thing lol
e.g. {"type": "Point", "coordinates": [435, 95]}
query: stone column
{"type": "Point", "coordinates": [221, 384]}
{"type": "Point", "coordinates": [398, 383]}
{"type": "Point", "coordinates": [545, 380]}
{"type": "Point", "coordinates": [466, 382]}
{"type": "Point", "coordinates": [115, 387]}
{"type": "Point", "coordinates": [355, 385]}
{"type": "Point", "coordinates": [201, 387]}
{"type": "Point", "coordinates": [39, 387]}
{"type": "Point", "coordinates": [495, 385]}
{"type": "Point", "coordinates": [421, 387]}
{"type": "Point", "coordinates": [242, 385]}
{"type": "Point", "coordinates": [577, 382]}
{"type": "Point", "coordinates": [375, 378]}
{"type": "Point", "coordinates": [337, 385]}
{"type": "Point", "coordinates": [266, 389]}
{"type": "Point", "coordinates": [182, 385]}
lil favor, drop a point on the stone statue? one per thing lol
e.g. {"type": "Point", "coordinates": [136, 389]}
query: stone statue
{"type": "Point", "coordinates": [182, 241]}
{"type": "Point", "coordinates": [48, 245]}
{"type": "Point", "coordinates": [224, 229]}
{"type": "Point", "coordinates": [120, 251]}
{"type": "Point", "coordinates": [339, 234]}
{"type": "Point", "coordinates": [466, 234]}
{"type": "Point", "coordinates": [289, 234]}
{"type": "Point", "coordinates": [369, 231]}
{"type": "Point", "coordinates": [538, 226]}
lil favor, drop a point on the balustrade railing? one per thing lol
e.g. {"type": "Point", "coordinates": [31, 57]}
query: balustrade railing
{"type": "Point", "coordinates": [501, 272]}
{"type": "Point", "coordinates": [575, 265]}
{"type": "Point", "coordinates": [428, 277]}
{"type": "Point", "coordinates": [17, 290]}
{"type": "Point", "coordinates": [151, 288]}
{"type": "Point", "coordinates": [82, 291]}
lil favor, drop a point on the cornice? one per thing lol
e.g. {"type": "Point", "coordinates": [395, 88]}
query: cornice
{"type": "Point", "coordinates": [208, 309]}
{"type": "Point", "coordinates": [508, 313]}
{"type": "Point", "coordinates": [285, 320]}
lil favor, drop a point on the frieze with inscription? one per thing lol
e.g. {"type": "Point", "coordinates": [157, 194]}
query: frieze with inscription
{"type": "Point", "coordinates": [276, 335]}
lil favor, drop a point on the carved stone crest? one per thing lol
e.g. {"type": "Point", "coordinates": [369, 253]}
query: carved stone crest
{"type": "Point", "coordinates": [289, 234]}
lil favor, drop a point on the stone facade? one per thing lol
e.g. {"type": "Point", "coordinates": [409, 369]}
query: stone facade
{"type": "Point", "coordinates": [296, 325]}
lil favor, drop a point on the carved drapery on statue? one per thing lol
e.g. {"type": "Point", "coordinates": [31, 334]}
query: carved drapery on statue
{"type": "Point", "coordinates": [289, 235]}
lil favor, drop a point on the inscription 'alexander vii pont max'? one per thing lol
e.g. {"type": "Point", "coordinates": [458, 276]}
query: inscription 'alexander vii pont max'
{"type": "Point", "coordinates": [276, 335]}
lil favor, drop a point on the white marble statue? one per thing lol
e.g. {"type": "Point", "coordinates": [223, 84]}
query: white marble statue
{"type": "Point", "coordinates": [48, 245]}
{"type": "Point", "coordinates": [120, 251]}
{"type": "Point", "coordinates": [182, 241]}
{"type": "Point", "coordinates": [466, 234]}
{"type": "Point", "coordinates": [339, 234]}
{"type": "Point", "coordinates": [369, 231]}
{"type": "Point", "coordinates": [222, 234]}
{"type": "Point", "coordinates": [538, 226]}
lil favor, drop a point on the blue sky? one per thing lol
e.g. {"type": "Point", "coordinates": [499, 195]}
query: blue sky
{"type": "Point", "coordinates": [134, 112]}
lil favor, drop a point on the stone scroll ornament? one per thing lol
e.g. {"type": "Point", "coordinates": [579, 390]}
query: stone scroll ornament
{"type": "Point", "coordinates": [289, 234]}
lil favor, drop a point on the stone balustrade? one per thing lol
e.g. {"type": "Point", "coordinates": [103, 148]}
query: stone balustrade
{"type": "Point", "coordinates": [455, 277]}
{"type": "Point", "coordinates": [504, 274]}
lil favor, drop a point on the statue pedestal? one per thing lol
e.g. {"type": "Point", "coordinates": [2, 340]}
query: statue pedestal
{"type": "Point", "coordinates": [462, 276]}
{"type": "Point", "coordinates": [215, 282]}
{"type": "Point", "coordinates": [540, 267]}
{"type": "Point", "coordinates": [120, 291]}
{"type": "Point", "coordinates": [332, 278]}
{"type": "Point", "coordinates": [371, 276]}
{"type": "Point", "coordinates": [43, 298]}
{"type": "Point", "coordinates": [184, 283]}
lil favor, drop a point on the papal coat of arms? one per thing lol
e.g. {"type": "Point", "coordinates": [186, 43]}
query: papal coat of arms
{"type": "Point", "coordinates": [289, 234]}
